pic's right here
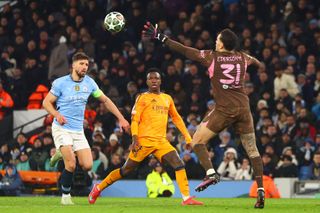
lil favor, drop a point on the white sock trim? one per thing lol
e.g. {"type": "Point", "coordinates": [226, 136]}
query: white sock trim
{"type": "Point", "coordinates": [211, 171]}
{"type": "Point", "coordinates": [185, 197]}
{"type": "Point", "coordinates": [66, 195]}
{"type": "Point", "coordinates": [260, 189]}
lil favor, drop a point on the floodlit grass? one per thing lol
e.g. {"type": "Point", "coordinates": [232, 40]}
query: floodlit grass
{"type": "Point", "coordinates": [159, 205]}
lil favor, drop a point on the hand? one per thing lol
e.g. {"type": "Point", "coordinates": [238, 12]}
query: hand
{"type": "Point", "coordinates": [135, 145]}
{"type": "Point", "coordinates": [61, 119]}
{"type": "Point", "coordinates": [124, 124]}
{"type": "Point", "coordinates": [151, 31]}
{"type": "Point", "coordinates": [226, 160]}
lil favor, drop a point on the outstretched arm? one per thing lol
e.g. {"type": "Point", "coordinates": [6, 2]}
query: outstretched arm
{"type": "Point", "coordinates": [152, 32]}
{"type": "Point", "coordinates": [253, 61]}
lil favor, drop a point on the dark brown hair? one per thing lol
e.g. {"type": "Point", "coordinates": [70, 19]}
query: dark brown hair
{"type": "Point", "coordinates": [80, 56]}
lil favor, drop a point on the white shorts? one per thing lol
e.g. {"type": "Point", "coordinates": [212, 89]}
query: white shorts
{"type": "Point", "coordinates": [64, 137]}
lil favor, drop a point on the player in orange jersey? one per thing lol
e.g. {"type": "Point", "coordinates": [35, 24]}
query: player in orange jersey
{"type": "Point", "coordinates": [149, 128]}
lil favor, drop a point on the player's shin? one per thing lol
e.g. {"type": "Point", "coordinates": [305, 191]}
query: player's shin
{"type": "Point", "coordinates": [66, 181]}
{"type": "Point", "coordinates": [183, 183]}
{"type": "Point", "coordinates": [203, 155]}
{"type": "Point", "coordinates": [110, 179]}
{"type": "Point", "coordinates": [256, 163]}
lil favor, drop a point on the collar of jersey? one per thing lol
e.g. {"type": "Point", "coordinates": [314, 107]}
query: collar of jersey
{"type": "Point", "coordinates": [74, 80]}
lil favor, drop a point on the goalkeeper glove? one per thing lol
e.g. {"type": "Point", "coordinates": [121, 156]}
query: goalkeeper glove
{"type": "Point", "coordinates": [151, 31]}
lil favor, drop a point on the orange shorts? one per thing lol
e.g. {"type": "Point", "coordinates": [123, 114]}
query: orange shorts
{"type": "Point", "coordinates": [159, 149]}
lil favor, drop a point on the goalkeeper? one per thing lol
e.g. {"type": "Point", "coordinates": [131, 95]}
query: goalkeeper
{"type": "Point", "coordinates": [227, 69]}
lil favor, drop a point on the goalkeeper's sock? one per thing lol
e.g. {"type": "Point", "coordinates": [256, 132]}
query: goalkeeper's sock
{"type": "Point", "coordinates": [257, 165]}
{"type": "Point", "coordinates": [110, 179]}
{"type": "Point", "coordinates": [210, 172]}
{"type": "Point", "coordinates": [203, 155]}
{"type": "Point", "coordinates": [182, 181]}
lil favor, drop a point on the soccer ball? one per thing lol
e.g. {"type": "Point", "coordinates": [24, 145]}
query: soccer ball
{"type": "Point", "coordinates": [114, 22]}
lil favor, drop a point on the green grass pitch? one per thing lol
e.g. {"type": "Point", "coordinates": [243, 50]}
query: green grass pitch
{"type": "Point", "coordinates": [159, 205]}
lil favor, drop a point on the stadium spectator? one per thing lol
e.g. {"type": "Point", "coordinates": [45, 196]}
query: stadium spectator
{"type": "Point", "coordinates": [291, 126]}
{"type": "Point", "coordinates": [6, 102]}
{"type": "Point", "coordinates": [220, 149]}
{"type": "Point", "coordinates": [229, 166]}
{"type": "Point", "coordinates": [316, 108]}
{"type": "Point", "coordinates": [1, 165]}
{"type": "Point", "coordinates": [113, 146]}
{"type": "Point", "coordinates": [158, 183]}
{"type": "Point", "coordinates": [192, 169]}
{"type": "Point", "coordinates": [47, 165]}
{"type": "Point", "coordinates": [288, 150]}
{"type": "Point", "coordinates": [268, 166]}
{"type": "Point", "coordinates": [131, 93]}
{"type": "Point", "coordinates": [287, 168]}
{"type": "Point", "coordinates": [58, 62]}
{"type": "Point", "coordinates": [21, 144]}
{"type": "Point", "coordinates": [315, 166]}
{"type": "Point", "coordinates": [5, 154]}
{"type": "Point", "coordinates": [11, 183]}
{"type": "Point", "coordinates": [102, 157]}
{"type": "Point", "coordinates": [115, 162]}
{"type": "Point", "coordinates": [24, 164]}
{"type": "Point", "coordinates": [245, 171]}
{"type": "Point", "coordinates": [305, 152]}
{"type": "Point", "coordinates": [97, 170]}
{"type": "Point", "coordinates": [38, 156]}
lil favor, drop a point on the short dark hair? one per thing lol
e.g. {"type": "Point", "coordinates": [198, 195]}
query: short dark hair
{"type": "Point", "coordinates": [153, 69]}
{"type": "Point", "coordinates": [80, 56]}
{"type": "Point", "coordinates": [229, 39]}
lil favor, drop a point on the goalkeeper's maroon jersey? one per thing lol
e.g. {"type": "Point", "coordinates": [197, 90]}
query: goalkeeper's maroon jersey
{"type": "Point", "coordinates": [227, 72]}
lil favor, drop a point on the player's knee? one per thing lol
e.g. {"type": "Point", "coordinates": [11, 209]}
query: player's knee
{"type": "Point", "coordinates": [254, 153]}
{"type": "Point", "coordinates": [70, 165]}
{"type": "Point", "coordinates": [125, 171]}
{"type": "Point", "coordinates": [198, 139]}
{"type": "Point", "coordinates": [86, 166]}
{"type": "Point", "coordinates": [180, 167]}
{"type": "Point", "coordinates": [177, 164]}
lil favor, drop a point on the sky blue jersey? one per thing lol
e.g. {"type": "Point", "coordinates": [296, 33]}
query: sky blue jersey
{"type": "Point", "coordinates": [72, 98]}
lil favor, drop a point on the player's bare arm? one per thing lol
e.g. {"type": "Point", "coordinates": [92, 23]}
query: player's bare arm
{"type": "Point", "coordinates": [123, 123]}
{"type": "Point", "coordinates": [189, 52]}
{"type": "Point", "coordinates": [253, 61]}
{"type": "Point", "coordinates": [48, 104]}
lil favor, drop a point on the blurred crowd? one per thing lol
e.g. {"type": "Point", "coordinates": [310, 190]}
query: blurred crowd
{"type": "Point", "coordinates": [38, 38]}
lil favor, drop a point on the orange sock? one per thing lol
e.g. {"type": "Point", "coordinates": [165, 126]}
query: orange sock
{"type": "Point", "coordinates": [182, 181]}
{"type": "Point", "coordinates": [110, 179]}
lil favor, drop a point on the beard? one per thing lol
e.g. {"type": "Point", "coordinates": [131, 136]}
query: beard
{"type": "Point", "coordinates": [81, 74]}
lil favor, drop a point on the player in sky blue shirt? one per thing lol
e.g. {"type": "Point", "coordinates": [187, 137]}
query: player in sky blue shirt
{"type": "Point", "coordinates": [66, 101]}
{"type": "Point", "coordinates": [72, 99]}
